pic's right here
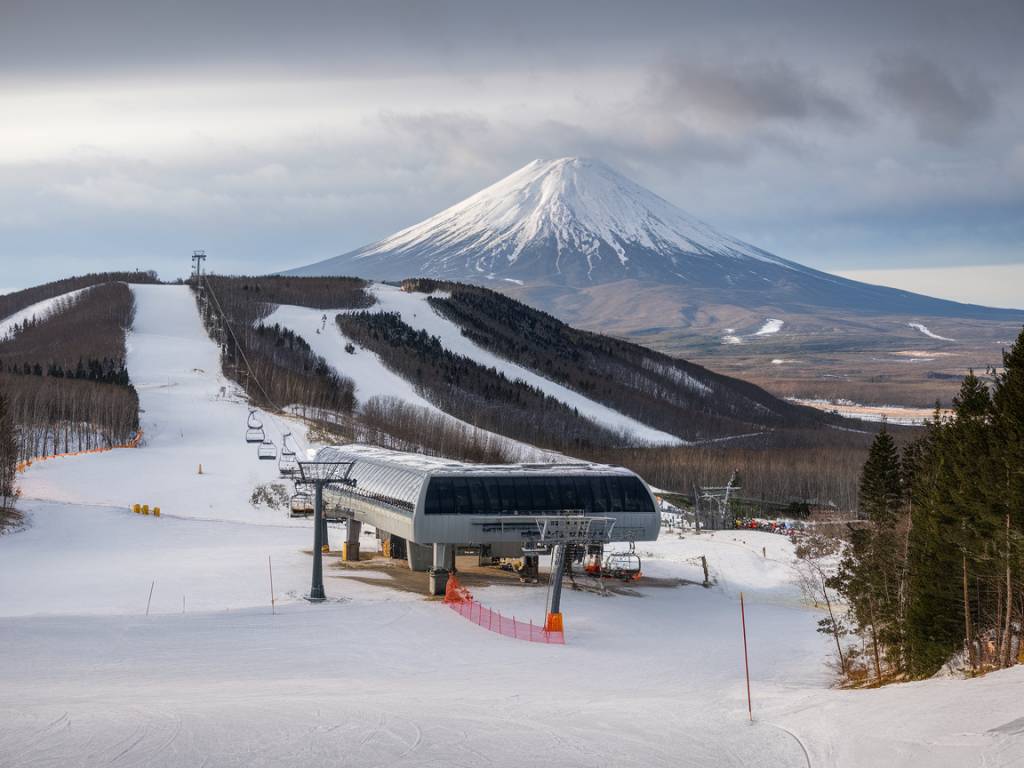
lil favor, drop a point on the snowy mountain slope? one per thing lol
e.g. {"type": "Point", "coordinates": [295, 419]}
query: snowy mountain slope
{"type": "Point", "coordinates": [38, 311]}
{"type": "Point", "coordinates": [190, 415]}
{"type": "Point", "coordinates": [372, 378]}
{"type": "Point", "coordinates": [576, 223]}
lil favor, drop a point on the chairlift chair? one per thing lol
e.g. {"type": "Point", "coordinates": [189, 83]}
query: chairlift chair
{"type": "Point", "coordinates": [301, 504]}
{"type": "Point", "coordinates": [267, 450]}
{"type": "Point", "coordinates": [622, 565]}
{"type": "Point", "coordinates": [254, 428]}
{"type": "Point", "coordinates": [288, 464]}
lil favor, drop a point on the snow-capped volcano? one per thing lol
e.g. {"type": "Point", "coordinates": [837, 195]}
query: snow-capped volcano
{"type": "Point", "coordinates": [573, 221]}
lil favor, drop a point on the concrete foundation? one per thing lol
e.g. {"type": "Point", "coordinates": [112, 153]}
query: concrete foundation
{"type": "Point", "coordinates": [419, 556]}
{"type": "Point", "coordinates": [443, 565]}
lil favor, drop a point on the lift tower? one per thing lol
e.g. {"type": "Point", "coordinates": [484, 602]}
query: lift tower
{"type": "Point", "coordinates": [198, 257]}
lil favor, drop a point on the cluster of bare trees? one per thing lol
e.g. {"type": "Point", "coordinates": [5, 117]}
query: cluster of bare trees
{"type": "Point", "coordinates": [66, 383]}
{"type": "Point", "coordinates": [8, 459]}
{"type": "Point", "coordinates": [813, 466]}
{"type": "Point", "coordinates": [399, 425]}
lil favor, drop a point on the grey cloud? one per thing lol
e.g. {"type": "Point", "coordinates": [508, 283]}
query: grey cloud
{"type": "Point", "coordinates": [944, 109]}
{"type": "Point", "coordinates": [756, 91]}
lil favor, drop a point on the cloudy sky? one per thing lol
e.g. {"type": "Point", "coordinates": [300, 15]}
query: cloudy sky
{"type": "Point", "coordinates": [880, 139]}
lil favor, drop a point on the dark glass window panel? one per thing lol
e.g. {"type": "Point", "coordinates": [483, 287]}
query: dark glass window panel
{"type": "Point", "coordinates": [615, 493]}
{"type": "Point", "coordinates": [540, 494]}
{"type": "Point", "coordinates": [493, 494]}
{"type": "Point", "coordinates": [630, 500]}
{"type": "Point", "coordinates": [584, 496]}
{"type": "Point", "coordinates": [445, 497]}
{"type": "Point", "coordinates": [431, 506]}
{"type": "Point", "coordinates": [567, 491]}
{"type": "Point", "coordinates": [524, 494]}
{"type": "Point", "coordinates": [508, 494]}
{"type": "Point", "coordinates": [460, 489]}
{"type": "Point", "coordinates": [477, 498]}
{"type": "Point", "coordinates": [600, 493]}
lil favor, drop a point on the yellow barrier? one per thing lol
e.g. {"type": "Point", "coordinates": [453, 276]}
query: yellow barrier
{"type": "Point", "coordinates": [145, 509]}
{"type": "Point", "coordinates": [156, 511]}
{"type": "Point", "coordinates": [137, 508]}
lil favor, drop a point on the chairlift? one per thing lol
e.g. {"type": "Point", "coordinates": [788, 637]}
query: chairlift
{"type": "Point", "coordinates": [267, 450]}
{"type": "Point", "coordinates": [301, 504]}
{"type": "Point", "coordinates": [288, 464]}
{"type": "Point", "coordinates": [254, 429]}
{"type": "Point", "coordinates": [622, 565]}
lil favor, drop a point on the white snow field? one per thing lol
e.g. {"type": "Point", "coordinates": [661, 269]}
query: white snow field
{"type": "Point", "coordinates": [40, 310]}
{"type": "Point", "coordinates": [770, 326]}
{"type": "Point", "coordinates": [383, 677]}
{"type": "Point", "coordinates": [191, 415]}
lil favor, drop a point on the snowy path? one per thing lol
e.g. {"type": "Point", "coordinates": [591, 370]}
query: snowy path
{"type": "Point", "coordinates": [191, 415]}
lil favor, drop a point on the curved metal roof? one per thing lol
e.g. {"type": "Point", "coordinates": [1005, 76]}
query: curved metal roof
{"type": "Point", "coordinates": [396, 475]}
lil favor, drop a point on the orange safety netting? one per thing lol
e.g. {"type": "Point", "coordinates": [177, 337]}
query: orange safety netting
{"type": "Point", "coordinates": [459, 599]}
{"type": "Point", "coordinates": [133, 443]}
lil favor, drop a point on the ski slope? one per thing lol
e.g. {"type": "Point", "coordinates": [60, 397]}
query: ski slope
{"type": "Point", "coordinates": [191, 415]}
{"type": "Point", "coordinates": [417, 313]}
{"type": "Point", "coordinates": [40, 310]}
{"type": "Point", "coordinates": [372, 378]}
{"type": "Point", "coordinates": [383, 677]}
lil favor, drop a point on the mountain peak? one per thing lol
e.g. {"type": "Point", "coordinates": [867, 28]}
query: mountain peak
{"type": "Point", "coordinates": [570, 220]}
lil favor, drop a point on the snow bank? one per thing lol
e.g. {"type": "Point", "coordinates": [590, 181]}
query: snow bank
{"type": "Point", "coordinates": [771, 325]}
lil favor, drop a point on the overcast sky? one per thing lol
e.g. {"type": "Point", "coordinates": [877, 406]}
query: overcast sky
{"type": "Point", "coordinates": [848, 136]}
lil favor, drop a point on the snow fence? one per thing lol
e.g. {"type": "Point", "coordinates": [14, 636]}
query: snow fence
{"type": "Point", "coordinates": [460, 600]}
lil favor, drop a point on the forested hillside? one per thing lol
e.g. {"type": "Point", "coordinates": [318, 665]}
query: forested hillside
{"type": "Point", "coordinates": [282, 362]}
{"type": "Point", "coordinates": [18, 300]}
{"type": "Point", "coordinates": [937, 568]}
{"type": "Point", "coordinates": [470, 391]}
{"type": "Point", "coordinates": [65, 378]}
{"type": "Point", "coordinates": [679, 397]}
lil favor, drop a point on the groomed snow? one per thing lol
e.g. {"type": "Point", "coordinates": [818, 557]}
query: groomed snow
{"type": "Point", "coordinates": [191, 415]}
{"type": "Point", "coordinates": [383, 677]}
{"type": "Point", "coordinates": [40, 310]}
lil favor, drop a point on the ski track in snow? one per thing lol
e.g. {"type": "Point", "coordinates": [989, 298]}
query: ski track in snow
{"type": "Point", "coordinates": [380, 677]}
{"type": "Point", "coordinates": [925, 330]}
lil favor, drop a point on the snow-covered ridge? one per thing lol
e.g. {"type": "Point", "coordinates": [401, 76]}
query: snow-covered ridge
{"type": "Point", "coordinates": [40, 311]}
